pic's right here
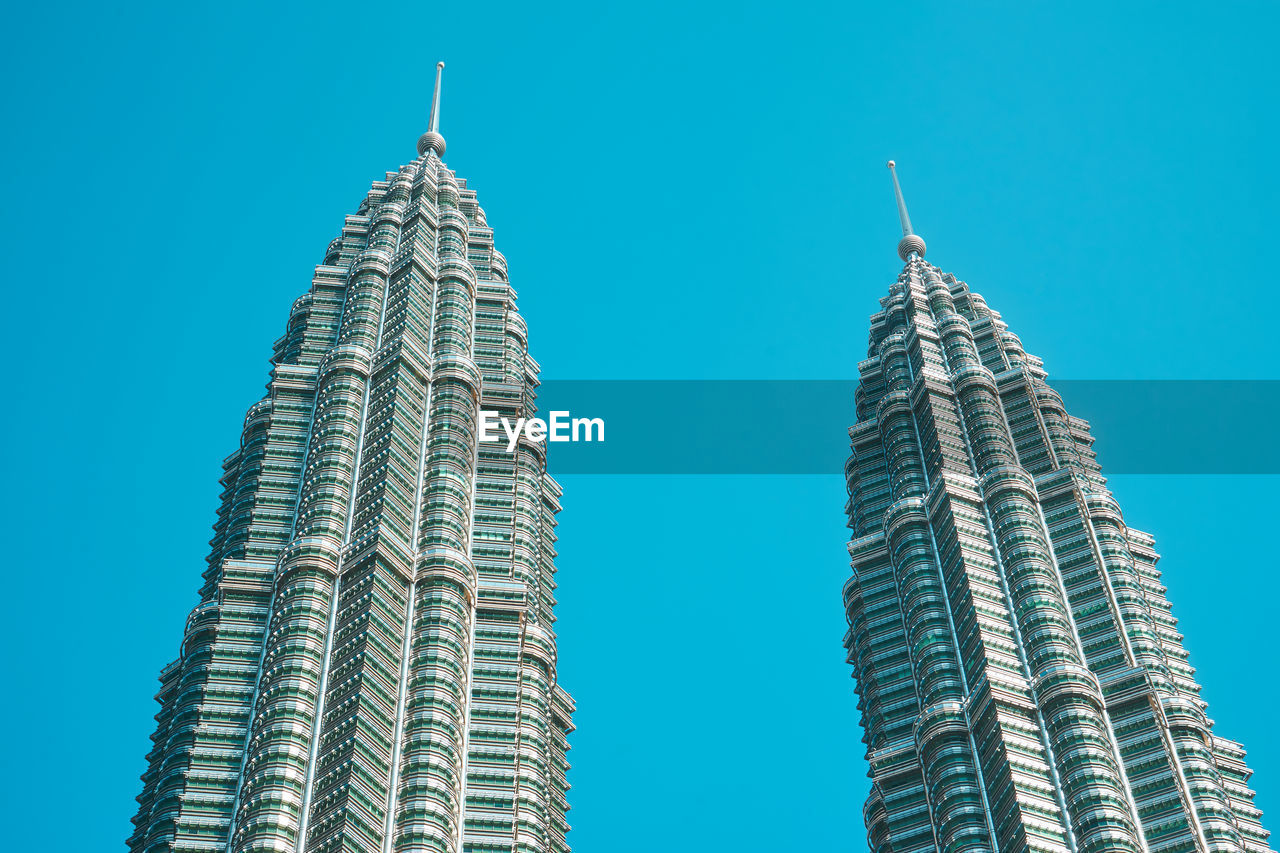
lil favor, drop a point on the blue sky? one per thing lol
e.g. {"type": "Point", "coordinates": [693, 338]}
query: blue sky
{"type": "Point", "coordinates": [683, 191]}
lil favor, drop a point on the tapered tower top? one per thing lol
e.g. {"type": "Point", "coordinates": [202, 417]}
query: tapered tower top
{"type": "Point", "coordinates": [432, 140]}
{"type": "Point", "coordinates": [910, 243]}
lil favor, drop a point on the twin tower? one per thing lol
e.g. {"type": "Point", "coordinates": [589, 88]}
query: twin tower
{"type": "Point", "coordinates": [372, 664]}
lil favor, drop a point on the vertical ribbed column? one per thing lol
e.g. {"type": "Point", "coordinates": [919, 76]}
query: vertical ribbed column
{"type": "Point", "coordinates": [516, 350]}
{"type": "Point", "coordinates": [208, 718]}
{"type": "Point", "coordinates": [237, 518]}
{"type": "Point", "coordinates": [1184, 736]}
{"type": "Point", "coordinates": [146, 821]}
{"type": "Point", "coordinates": [193, 673]}
{"type": "Point", "coordinates": [351, 772]}
{"type": "Point", "coordinates": [212, 686]}
{"type": "Point", "coordinates": [1229, 759]}
{"type": "Point", "coordinates": [1188, 732]}
{"type": "Point", "coordinates": [537, 677]}
{"type": "Point", "coordinates": [942, 733]}
{"type": "Point", "coordinates": [559, 709]}
{"type": "Point", "coordinates": [432, 781]}
{"type": "Point", "coordinates": [878, 642]}
{"type": "Point", "coordinates": [294, 661]}
{"type": "Point", "coordinates": [1053, 416]}
{"type": "Point", "coordinates": [562, 708]}
{"type": "Point", "coordinates": [1067, 693]}
{"type": "Point", "coordinates": [526, 526]}
{"type": "Point", "coordinates": [877, 820]}
{"type": "Point", "coordinates": [1110, 548]}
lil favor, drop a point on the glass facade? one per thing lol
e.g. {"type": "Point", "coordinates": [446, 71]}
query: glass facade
{"type": "Point", "coordinates": [372, 664]}
{"type": "Point", "coordinates": [1021, 680]}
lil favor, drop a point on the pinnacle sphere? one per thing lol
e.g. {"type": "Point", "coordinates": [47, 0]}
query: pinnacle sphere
{"type": "Point", "coordinates": [910, 243]}
{"type": "Point", "coordinates": [433, 141]}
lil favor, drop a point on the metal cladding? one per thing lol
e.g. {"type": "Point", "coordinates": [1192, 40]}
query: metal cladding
{"type": "Point", "coordinates": [372, 664]}
{"type": "Point", "coordinates": [1022, 682]}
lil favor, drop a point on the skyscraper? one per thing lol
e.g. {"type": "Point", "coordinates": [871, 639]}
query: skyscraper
{"type": "Point", "coordinates": [1022, 682]}
{"type": "Point", "coordinates": [372, 664]}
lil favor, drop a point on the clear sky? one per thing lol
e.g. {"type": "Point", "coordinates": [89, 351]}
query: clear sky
{"type": "Point", "coordinates": [682, 190]}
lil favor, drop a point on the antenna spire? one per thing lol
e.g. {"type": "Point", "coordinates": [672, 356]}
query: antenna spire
{"type": "Point", "coordinates": [432, 140]}
{"type": "Point", "coordinates": [911, 243]}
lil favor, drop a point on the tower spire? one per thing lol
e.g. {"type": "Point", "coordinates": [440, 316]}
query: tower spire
{"type": "Point", "coordinates": [432, 140]}
{"type": "Point", "coordinates": [910, 243]}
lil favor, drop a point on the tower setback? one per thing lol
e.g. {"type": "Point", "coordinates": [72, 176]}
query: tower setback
{"type": "Point", "coordinates": [1022, 682]}
{"type": "Point", "coordinates": [372, 664]}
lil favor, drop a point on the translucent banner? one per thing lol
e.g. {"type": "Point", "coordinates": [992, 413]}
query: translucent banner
{"type": "Point", "coordinates": [800, 426]}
